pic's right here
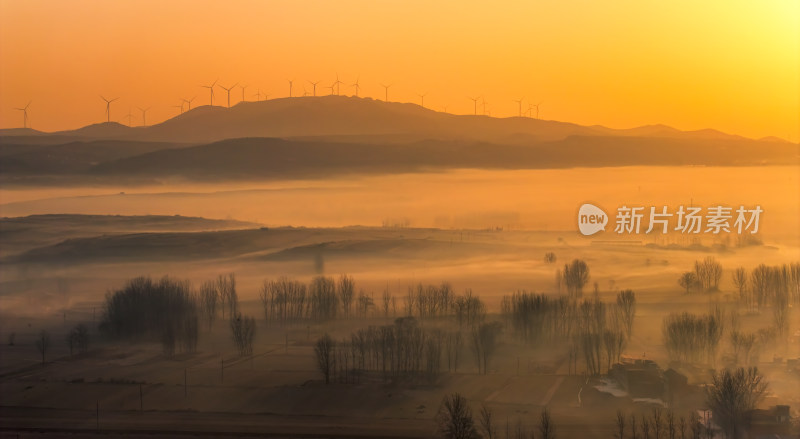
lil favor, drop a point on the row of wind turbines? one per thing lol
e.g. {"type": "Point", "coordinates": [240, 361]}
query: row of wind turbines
{"type": "Point", "coordinates": [335, 89]}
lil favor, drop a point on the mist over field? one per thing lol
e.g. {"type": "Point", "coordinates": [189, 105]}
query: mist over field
{"type": "Point", "coordinates": [363, 284]}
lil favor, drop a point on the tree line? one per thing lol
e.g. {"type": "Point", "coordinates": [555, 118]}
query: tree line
{"type": "Point", "coordinates": [596, 331]}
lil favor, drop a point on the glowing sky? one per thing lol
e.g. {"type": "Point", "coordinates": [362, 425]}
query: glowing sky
{"type": "Point", "coordinates": [732, 66]}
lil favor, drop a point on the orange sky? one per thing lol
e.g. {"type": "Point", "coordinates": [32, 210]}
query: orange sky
{"type": "Point", "coordinates": [733, 66]}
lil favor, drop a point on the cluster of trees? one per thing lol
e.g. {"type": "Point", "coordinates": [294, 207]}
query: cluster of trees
{"type": "Point", "coordinates": [455, 420]}
{"type": "Point", "coordinates": [594, 329]}
{"type": "Point", "coordinates": [430, 301]}
{"type": "Point", "coordinates": [400, 351]}
{"type": "Point", "coordinates": [732, 396]}
{"type": "Point", "coordinates": [287, 301]}
{"type": "Point", "coordinates": [219, 294]}
{"type": "Point", "coordinates": [660, 424]}
{"type": "Point", "coordinates": [574, 277]}
{"type": "Point", "coordinates": [774, 286]}
{"type": "Point", "coordinates": [747, 346]}
{"type": "Point", "coordinates": [705, 277]}
{"type": "Point", "coordinates": [692, 338]}
{"type": "Point", "coordinates": [165, 310]}
{"type": "Point", "coordinates": [243, 329]}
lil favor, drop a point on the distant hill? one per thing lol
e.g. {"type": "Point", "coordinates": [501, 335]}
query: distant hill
{"type": "Point", "coordinates": [343, 116]}
{"type": "Point", "coordinates": [130, 162]}
{"type": "Point", "coordinates": [69, 158]}
{"type": "Point", "coordinates": [335, 135]}
{"type": "Point", "coordinates": [278, 158]}
{"type": "Point", "coordinates": [25, 233]}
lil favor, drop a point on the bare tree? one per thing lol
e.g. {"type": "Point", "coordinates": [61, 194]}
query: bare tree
{"type": "Point", "coordinates": [324, 350]}
{"type": "Point", "coordinates": [645, 425]}
{"type": "Point", "coordinates": [546, 427]}
{"type": "Point", "coordinates": [695, 426]}
{"type": "Point", "coordinates": [739, 277]}
{"type": "Point", "coordinates": [43, 344]}
{"type": "Point", "coordinates": [484, 344]}
{"type": "Point", "coordinates": [688, 281]}
{"type": "Point", "coordinates": [620, 425]}
{"type": "Point", "coordinates": [576, 276]}
{"type": "Point", "coordinates": [226, 286]}
{"type": "Point", "coordinates": [243, 329]}
{"type": "Point", "coordinates": [487, 422]}
{"type": "Point", "coordinates": [657, 423]}
{"type": "Point", "coordinates": [626, 303]}
{"type": "Point", "coordinates": [454, 418]}
{"type": "Point", "coordinates": [671, 424]}
{"type": "Point", "coordinates": [708, 272]}
{"type": "Point", "coordinates": [346, 287]}
{"type": "Point", "coordinates": [209, 297]}
{"type": "Point", "coordinates": [387, 300]}
{"type": "Point", "coordinates": [732, 396]}
{"type": "Point", "coordinates": [559, 281]}
{"type": "Point", "coordinates": [78, 339]}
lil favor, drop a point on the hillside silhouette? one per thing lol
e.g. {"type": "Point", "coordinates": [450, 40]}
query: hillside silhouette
{"type": "Point", "coordinates": [350, 117]}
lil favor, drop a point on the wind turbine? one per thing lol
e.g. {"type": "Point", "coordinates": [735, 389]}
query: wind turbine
{"type": "Point", "coordinates": [305, 92]}
{"type": "Point", "coordinates": [211, 89]}
{"type": "Point", "coordinates": [331, 87]}
{"type": "Point", "coordinates": [386, 92]}
{"type": "Point", "coordinates": [422, 98]}
{"type": "Point", "coordinates": [144, 113]}
{"type": "Point", "coordinates": [356, 86]}
{"type": "Point", "coordinates": [475, 103]}
{"type": "Point", "coordinates": [179, 106]}
{"type": "Point", "coordinates": [336, 83]}
{"type": "Point", "coordinates": [228, 89]}
{"type": "Point", "coordinates": [258, 95]}
{"type": "Point", "coordinates": [129, 116]}
{"type": "Point", "coordinates": [290, 86]}
{"type": "Point", "coordinates": [189, 102]}
{"type": "Point", "coordinates": [108, 107]}
{"type": "Point", "coordinates": [537, 109]}
{"type": "Point", "coordinates": [314, 84]}
{"type": "Point", "coordinates": [484, 103]}
{"type": "Point", "coordinates": [519, 102]}
{"type": "Point", "coordinates": [24, 111]}
{"type": "Point", "coordinates": [243, 88]}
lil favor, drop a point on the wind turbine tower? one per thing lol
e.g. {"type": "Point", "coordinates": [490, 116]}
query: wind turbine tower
{"type": "Point", "coordinates": [519, 102]}
{"type": "Point", "coordinates": [228, 89]}
{"type": "Point", "coordinates": [144, 113]}
{"type": "Point", "coordinates": [386, 92]}
{"type": "Point", "coordinates": [211, 89]}
{"type": "Point", "coordinates": [314, 85]}
{"type": "Point", "coordinates": [108, 107]}
{"type": "Point", "coordinates": [475, 104]}
{"type": "Point", "coordinates": [24, 111]}
{"type": "Point", "coordinates": [189, 103]}
{"type": "Point", "coordinates": [337, 83]}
